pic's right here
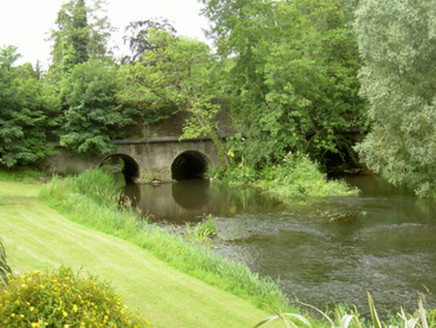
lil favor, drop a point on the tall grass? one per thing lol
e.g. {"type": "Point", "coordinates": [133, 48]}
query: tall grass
{"type": "Point", "coordinates": [91, 199]}
{"type": "Point", "coordinates": [341, 317]}
{"type": "Point", "coordinates": [297, 176]}
{"type": "Point", "coordinates": [5, 270]}
{"type": "Point", "coordinates": [22, 175]}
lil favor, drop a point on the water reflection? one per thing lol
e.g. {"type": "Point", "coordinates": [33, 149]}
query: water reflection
{"type": "Point", "coordinates": [328, 250]}
{"type": "Point", "coordinates": [191, 200]}
{"type": "Point", "coordinates": [192, 194]}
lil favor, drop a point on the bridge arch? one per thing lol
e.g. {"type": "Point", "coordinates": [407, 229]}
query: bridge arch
{"type": "Point", "coordinates": [123, 163]}
{"type": "Point", "coordinates": [189, 165]}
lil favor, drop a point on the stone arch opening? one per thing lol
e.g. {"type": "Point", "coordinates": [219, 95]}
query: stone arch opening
{"type": "Point", "coordinates": [123, 163]}
{"type": "Point", "coordinates": [189, 165]}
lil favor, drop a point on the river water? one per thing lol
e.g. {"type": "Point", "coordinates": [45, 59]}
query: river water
{"type": "Point", "coordinates": [322, 251]}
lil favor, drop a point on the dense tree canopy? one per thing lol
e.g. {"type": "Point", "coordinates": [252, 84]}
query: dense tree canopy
{"type": "Point", "coordinates": [79, 35]}
{"type": "Point", "coordinates": [397, 41]}
{"type": "Point", "coordinates": [94, 116]}
{"type": "Point", "coordinates": [287, 69]}
{"type": "Point", "coordinates": [23, 112]}
{"type": "Point", "coordinates": [293, 68]}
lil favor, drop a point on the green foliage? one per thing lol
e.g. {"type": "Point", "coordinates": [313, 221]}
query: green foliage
{"type": "Point", "coordinates": [94, 116]}
{"type": "Point", "coordinates": [287, 319]}
{"type": "Point", "coordinates": [5, 270]}
{"type": "Point", "coordinates": [97, 185]}
{"type": "Point", "coordinates": [80, 35]}
{"type": "Point", "coordinates": [63, 299]}
{"type": "Point", "coordinates": [202, 232]}
{"type": "Point", "coordinates": [293, 74]}
{"type": "Point", "coordinates": [23, 175]}
{"type": "Point", "coordinates": [296, 176]}
{"type": "Point", "coordinates": [138, 38]}
{"type": "Point", "coordinates": [397, 44]}
{"type": "Point", "coordinates": [235, 174]}
{"type": "Point", "coordinates": [177, 73]}
{"type": "Point", "coordinates": [23, 112]}
{"type": "Point", "coordinates": [341, 318]}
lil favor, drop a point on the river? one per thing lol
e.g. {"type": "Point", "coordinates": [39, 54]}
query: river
{"type": "Point", "coordinates": [323, 251]}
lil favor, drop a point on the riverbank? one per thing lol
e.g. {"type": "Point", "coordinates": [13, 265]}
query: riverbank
{"type": "Point", "coordinates": [39, 237]}
{"type": "Point", "coordinates": [169, 280]}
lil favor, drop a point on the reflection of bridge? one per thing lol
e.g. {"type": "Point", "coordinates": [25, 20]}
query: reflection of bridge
{"type": "Point", "coordinates": [158, 158]}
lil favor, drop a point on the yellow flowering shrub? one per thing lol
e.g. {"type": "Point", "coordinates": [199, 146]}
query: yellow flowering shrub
{"type": "Point", "coordinates": [63, 299]}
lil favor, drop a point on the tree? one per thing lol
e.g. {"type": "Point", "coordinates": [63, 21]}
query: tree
{"type": "Point", "coordinates": [94, 114]}
{"type": "Point", "coordinates": [397, 41]}
{"type": "Point", "coordinates": [177, 73]}
{"type": "Point", "coordinates": [139, 41]}
{"type": "Point", "coordinates": [23, 112]}
{"type": "Point", "coordinates": [294, 74]}
{"type": "Point", "coordinates": [80, 35]}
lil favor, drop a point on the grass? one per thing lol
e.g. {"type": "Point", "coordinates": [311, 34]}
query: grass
{"type": "Point", "coordinates": [4, 267]}
{"type": "Point", "coordinates": [294, 178]}
{"type": "Point", "coordinates": [39, 237]}
{"type": "Point", "coordinates": [341, 318]}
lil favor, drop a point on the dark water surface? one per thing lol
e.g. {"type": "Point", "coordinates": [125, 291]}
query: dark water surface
{"type": "Point", "coordinates": [322, 251]}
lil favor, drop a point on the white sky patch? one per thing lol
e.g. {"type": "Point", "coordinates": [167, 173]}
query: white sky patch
{"type": "Point", "coordinates": [26, 24]}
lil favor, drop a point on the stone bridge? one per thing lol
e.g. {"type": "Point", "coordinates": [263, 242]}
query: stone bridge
{"type": "Point", "coordinates": [153, 159]}
{"type": "Point", "coordinates": [154, 154]}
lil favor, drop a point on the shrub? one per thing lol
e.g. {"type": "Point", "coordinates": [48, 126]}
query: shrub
{"type": "Point", "coordinates": [298, 176]}
{"type": "Point", "coordinates": [294, 177]}
{"type": "Point", "coordinates": [63, 299]}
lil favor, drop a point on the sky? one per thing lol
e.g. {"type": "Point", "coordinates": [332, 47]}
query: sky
{"type": "Point", "coordinates": [26, 24]}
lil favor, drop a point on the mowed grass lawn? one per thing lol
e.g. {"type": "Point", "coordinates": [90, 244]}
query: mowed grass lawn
{"type": "Point", "coordinates": [37, 237]}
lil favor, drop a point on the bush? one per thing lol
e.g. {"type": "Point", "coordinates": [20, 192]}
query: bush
{"type": "Point", "coordinates": [63, 299]}
{"type": "Point", "coordinates": [236, 173]}
{"type": "Point", "coordinates": [294, 177]}
{"type": "Point", "coordinates": [298, 176]}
